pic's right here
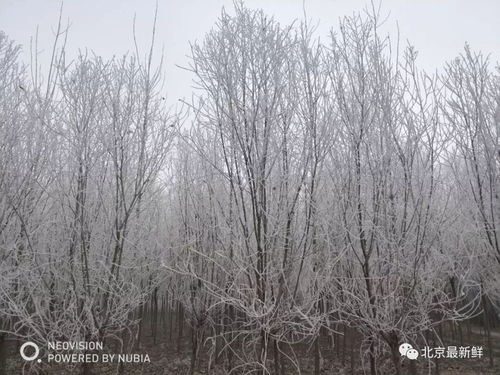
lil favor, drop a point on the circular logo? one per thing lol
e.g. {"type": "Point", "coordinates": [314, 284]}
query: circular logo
{"type": "Point", "coordinates": [29, 357]}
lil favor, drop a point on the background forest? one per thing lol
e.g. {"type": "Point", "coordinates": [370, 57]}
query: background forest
{"type": "Point", "coordinates": [316, 204]}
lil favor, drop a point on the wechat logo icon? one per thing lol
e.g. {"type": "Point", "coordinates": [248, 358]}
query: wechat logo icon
{"type": "Point", "coordinates": [406, 350]}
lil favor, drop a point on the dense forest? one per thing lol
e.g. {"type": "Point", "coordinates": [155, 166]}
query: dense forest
{"type": "Point", "coordinates": [315, 204]}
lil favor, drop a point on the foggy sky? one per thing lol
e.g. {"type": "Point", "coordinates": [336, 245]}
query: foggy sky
{"type": "Point", "coordinates": [437, 28]}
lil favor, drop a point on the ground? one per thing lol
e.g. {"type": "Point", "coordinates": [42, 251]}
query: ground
{"type": "Point", "coordinates": [166, 360]}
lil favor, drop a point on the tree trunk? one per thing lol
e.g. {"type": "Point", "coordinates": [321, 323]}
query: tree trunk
{"type": "Point", "coordinates": [180, 323]}
{"type": "Point", "coordinates": [486, 322]}
{"type": "Point", "coordinates": [277, 367]}
{"type": "Point", "coordinates": [3, 354]}
{"type": "Point", "coordinates": [317, 356]}
{"type": "Point", "coordinates": [396, 359]}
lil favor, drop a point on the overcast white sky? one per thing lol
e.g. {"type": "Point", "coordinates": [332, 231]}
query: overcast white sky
{"type": "Point", "coordinates": [437, 28]}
